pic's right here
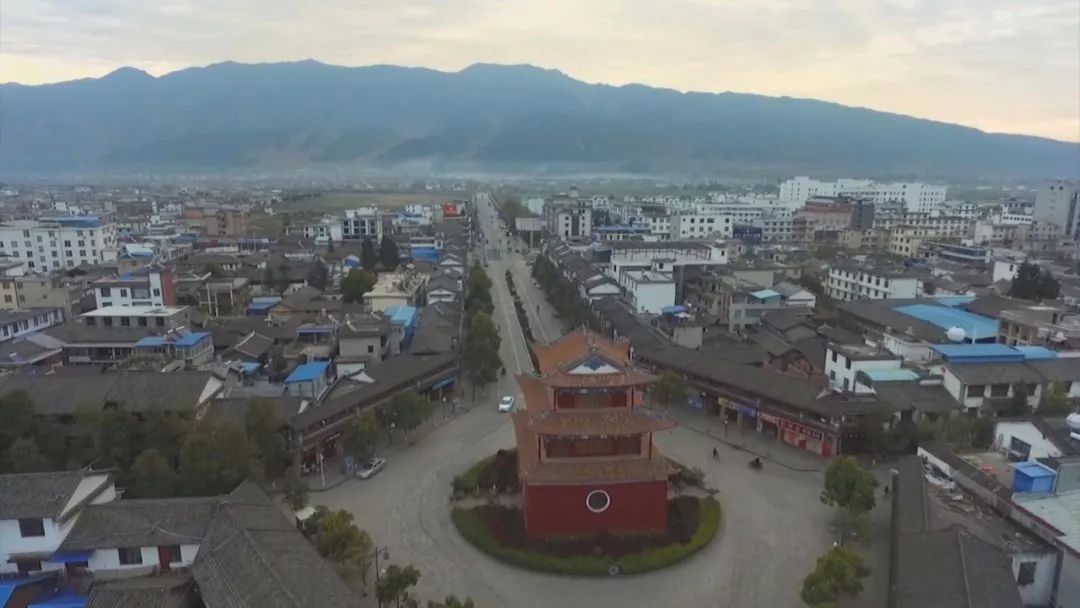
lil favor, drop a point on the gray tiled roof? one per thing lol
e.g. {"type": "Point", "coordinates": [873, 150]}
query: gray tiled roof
{"type": "Point", "coordinates": [33, 495]}
{"type": "Point", "coordinates": [170, 591]}
{"type": "Point", "coordinates": [133, 391]}
{"type": "Point", "coordinates": [253, 557]}
{"type": "Point", "coordinates": [994, 373]}
{"type": "Point", "coordinates": [141, 523]}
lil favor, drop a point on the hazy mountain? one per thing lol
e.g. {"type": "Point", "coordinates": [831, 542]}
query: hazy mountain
{"type": "Point", "coordinates": [233, 116]}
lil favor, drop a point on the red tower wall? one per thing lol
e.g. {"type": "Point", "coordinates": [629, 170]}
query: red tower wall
{"type": "Point", "coordinates": [559, 510]}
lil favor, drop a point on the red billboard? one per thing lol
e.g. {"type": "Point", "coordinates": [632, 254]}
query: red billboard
{"type": "Point", "coordinates": [450, 209]}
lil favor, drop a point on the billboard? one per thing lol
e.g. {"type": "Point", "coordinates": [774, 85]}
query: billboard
{"type": "Point", "coordinates": [451, 209]}
{"type": "Point", "coordinates": [529, 224]}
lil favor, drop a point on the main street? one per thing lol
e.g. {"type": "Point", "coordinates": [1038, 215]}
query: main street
{"type": "Point", "coordinates": [773, 528]}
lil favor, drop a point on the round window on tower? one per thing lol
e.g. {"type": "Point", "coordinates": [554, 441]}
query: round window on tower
{"type": "Point", "coordinates": [598, 501]}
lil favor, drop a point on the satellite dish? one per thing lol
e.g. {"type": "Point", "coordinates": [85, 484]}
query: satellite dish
{"type": "Point", "coordinates": [956, 334]}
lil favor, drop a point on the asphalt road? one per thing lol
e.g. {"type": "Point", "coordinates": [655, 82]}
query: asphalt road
{"type": "Point", "coordinates": [774, 527]}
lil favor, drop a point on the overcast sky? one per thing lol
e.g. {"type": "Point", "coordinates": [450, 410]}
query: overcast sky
{"type": "Point", "coordinates": [1000, 65]}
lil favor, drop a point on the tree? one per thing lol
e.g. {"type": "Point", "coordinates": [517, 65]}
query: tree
{"type": "Point", "coordinates": [479, 291]}
{"type": "Point", "coordinates": [836, 575]}
{"type": "Point", "coordinates": [409, 410]}
{"type": "Point", "coordinates": [330, 245]}
{"type": "Point", "coordinates": [874, 426]}
{"type": "Point", "coordinates": [264, 426]}
{"type": "Point", "coordinates": [395, 583]}
{"type": "Point", "coordinates": [338, 539]}
{"type": "Point", "coordinates": [669, 390]}
{"type": "Point", "coordinates": [388, 253]}
{"type": "Point", "coordinates": [849, 487]}
{"type": "Point", "coordinates": [152, 476]}
{"type": "Point", "coordinates": [361, 436]}
{"type": "Point", "coordinates": [481, 354]}
{"type": "Point", "coordinates": [1055, 401]}
{"type": "Point", "coordinates": [318, 276]}
{"type": "Point", "coordinates": [296, 492]}
{"type": "Point", "coordinates": [117, 439]}
{"type": "Point", "coordinates": [368, 257]}
{"type": "Point", "coordinates": [166, 433]}
{"type": "Point", "coordinates": [215, 459]}
{"type": "Point", "coordinates": [357, 283]}
{"type": "Point", "coordinates": [24, 456]}
{"type": "Point", "coordinates": [1034, 283]}
{"type": "Point", "coordinates": [1018, 405]}
{"type": "Point", "coordinates": [16, 418]}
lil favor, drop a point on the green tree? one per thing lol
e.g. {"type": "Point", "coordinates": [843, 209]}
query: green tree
{"type": "Point", "coordinates": [338, 539]}
{"type": "Point", "coordinates": [296, 492]}
{"type": "Point", "coordinates": [1018, 405]}
{"type": "Point", "coordinates": [1034, 283]}
{"type": "Point", "coordinates": [357, 283]}
{"type": "Point", "coordinates": [24, 456]}
{"type": "Point", "coordinates": [361, 436]}
{"type": "Point", "coordinates": [395, 583]}
{"type": "Point", "coordinates": [264, 427]}
{"type": "Point", "coordinates": [874, 425]}
{"type": "Point", "coordinates": [1055, 400]}
{"type": "Point", "coordinates": [318, 276]}
{"type": "Point", "coordinates": [481, 354]}
{"type": "Point", "coordinates": [408, 410]}
{"type": "Point", "coordinates": [837, 574]}
{"type": "Point", "coordinates": [215, 459]}
{"type": "Point", "coordinates": [117, 439]}
{"type": "Point", "coordinates": [16, 418]}
{"type": "Point", "coordinates": [388, 253]}
{"type": "Point", "coordinates": [478, 298]}
{"type": "Point", "coordinates": [152, 476]}
{"type": "Point", "coordinates": [849, 487]}
{"type": "Point", "coordinates": [669, 390]}
{"type": "Point", "coordinates": [368, 257]}
{"type": "Point", "coordinates": [166, 433]}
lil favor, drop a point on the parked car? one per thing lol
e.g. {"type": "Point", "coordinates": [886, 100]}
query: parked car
{"type": "Point", "coordinates": [369, 468]}
{"type": "Point", "coordinates": [506, 404]}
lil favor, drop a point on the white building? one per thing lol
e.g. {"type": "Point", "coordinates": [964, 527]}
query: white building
{"type": "Point", "coordinates": [152, 287]}
{"type": "Point", "coordinates": [843, 362]}
{"type": "Point", "coordinates": [648, 291]}
{"type": "Point", "coordinates": [916, 196]}
{"type": "Point", "coordinates": [365, 222]}
{"type": "Point", "coordinates": [568, 216]}
{"type": "Point", "coordinates": [700, 226]}
{"type": "Point", "coordinates": [61, 243]}
{"type": "Point", "coordinates": [1059, 203]}
{"type": "Point", "coordinates": [858, 283]}
{"type": "Point", "coordinates": [38, 510]}
{"type": "Point", "coordinates": [18, 323]}
{"type": "Point", "coordinates": [775, 228]}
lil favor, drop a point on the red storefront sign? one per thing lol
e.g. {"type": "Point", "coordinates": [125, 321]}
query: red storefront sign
{"type": "Point", "coordinates": [450, 209]}
{"type": "Point", "coordinates": [769, 418]}
{"type": "Point", "coordinates": [795, 427]}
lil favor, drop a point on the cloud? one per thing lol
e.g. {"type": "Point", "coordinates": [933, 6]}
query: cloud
{"type": "Point", "coordinates": [994, 64]}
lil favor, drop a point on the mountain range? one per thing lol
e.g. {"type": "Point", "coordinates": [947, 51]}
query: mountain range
{"type": "Point", "coordinates": [257, 117]}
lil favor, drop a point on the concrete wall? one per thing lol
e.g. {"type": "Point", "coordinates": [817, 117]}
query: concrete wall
{"type": "Point", "coordinates": [1068, 586]}
{"type": "Point", "coordinates": [1041, 447]}
{"type": "Point", "coordinates": [109, 559]}
{"type": "Point", "coordinates": [561, 510]}
{"type": "Point", "coordinates": [1039, 592]}
{"type": "Point", "coordinates": [11, 541]}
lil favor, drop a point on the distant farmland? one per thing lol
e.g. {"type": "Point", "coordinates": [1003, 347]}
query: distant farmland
{"type": "Point", "coordinates": [331, 202]}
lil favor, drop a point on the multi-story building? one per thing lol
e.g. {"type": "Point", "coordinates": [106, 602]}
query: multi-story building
{"type": "Point", "coordinates": [916, 196]}
{"type": "Point", "coordinates": [648, 291]}
{"type": "Point", "coordinates": [216, 220]}
{"type": "Point", "coordinates": [775, 228]}
{"type": "Point", "coordinates": [863, 240]}
{"type": "Point", "coordinates": [985, 232]}
{"type": "Point", "coordinates": [35, 291]}
{"type": "Point", "coordinates": [851, 282]}
{"type": "Point", "coordinates": [15, 324]}
{"type": "Point", "coordinates": [955, 252]}
{"type": "Point", "coordinates": [699, 226]}
{"type": "Point", "coordinates": [1059, 203]}
{"type": "Point", "coordinates": [58, 243]}
{"type": "Point", "coordinates": [568, 215]}
{"type": "Point", "coordinates": [361, 223]}
{"type": "Point", "coordinates": [151, 286]}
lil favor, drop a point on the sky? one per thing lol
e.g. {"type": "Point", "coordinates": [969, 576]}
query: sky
{"type": "Point", "coordinates": [1010, 66]}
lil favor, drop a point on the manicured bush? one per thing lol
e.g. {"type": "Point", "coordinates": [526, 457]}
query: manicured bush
{"type": "Point", "coordinates": [471, 524]}
{"type": "Point", "coordinates": [499, 470]}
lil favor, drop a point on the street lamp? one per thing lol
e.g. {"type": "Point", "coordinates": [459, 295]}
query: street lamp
{"type": "Point", "coordinates": [385, 552]}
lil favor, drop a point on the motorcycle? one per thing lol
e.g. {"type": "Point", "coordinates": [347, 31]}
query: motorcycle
{"type": "Point", "coordinates": [755, 464]}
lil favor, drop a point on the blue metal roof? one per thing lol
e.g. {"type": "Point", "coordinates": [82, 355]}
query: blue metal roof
{"type": "Point", "coordinates": [401, 315]}
{"type": "Point", "coordinates": [765, 294]}
{"type": "Point", "coordinates": [151, 341]}
{"type": "Point", "coordinates": [263, 303]}
{"type": "Point", "coordinates": [308, 372]}
{"type": "Point", "coordinates": [8, 586]}
{"type": "Point", "coordinates": [191, 338]}
{"type": "Point", "coordinates": [1036, 353]}
{"type": "Point", "coordinates": [954, 300]}
{"type": "Point", "coordinates": [890, 375]}
{"type": "Point", "coordinates": [979, 353]}
{"type": "Point", "coordinates": [977, 327]}
{"type": "Point", "coordinates": [250, 367]}
{"type": "Point", "coordinates": [62, 601]}
{"type": "Point", "coordinates": [1033, 469]}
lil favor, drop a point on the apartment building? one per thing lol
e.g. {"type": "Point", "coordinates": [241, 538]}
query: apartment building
{"type": "Point", "coordinates": [36, 291]}
{"type": "Point", "coordinates": [775, 228]}
{"type": "Point", "coordinates": [1059, 203]}
{"type": "Point", "coordinates": [215, 220]}
{"type": "Point", "coordinates": [19, 323]}
{"type": "Point", "coordinates": [852, 282]}
{"type": "Point", "coordinates": [699, 226]}
{"type": "Point", "coordinates": [568, 215]}
{"type": "Point", "coordinates": [151, 286]}
{"type": "Point", "coordinates": [361, 223]}
{"type": "Point", "coordinates": [916, 196]}
{"type": "Point", "coordinates": [59, 243]}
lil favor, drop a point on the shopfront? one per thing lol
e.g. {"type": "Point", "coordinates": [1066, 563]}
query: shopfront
{"type": "Point", "coordinates": [804, 437]}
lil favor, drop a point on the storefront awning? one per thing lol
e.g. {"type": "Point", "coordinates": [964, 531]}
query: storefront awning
{"type": "Point", "coordinates": [63, 557]}
{"type": "Point", "coordinates": [443, 383]}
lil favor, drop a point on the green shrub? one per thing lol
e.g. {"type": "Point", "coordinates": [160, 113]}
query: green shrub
{"type": "Point", "coordinates": [472, 527]}
{"type": "Point", "coordinates": [469, 481]}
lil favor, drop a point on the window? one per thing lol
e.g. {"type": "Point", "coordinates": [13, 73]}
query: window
{"type": "Point", "coordinates": [999, 390]}
{"type": "Point", "coordinates": [91, 321]}
{"type": "Point", "coordinates": [370, 348]}
{"type": "Point", "coordinates": [31, 527]}
{"type": "Point", "coordinates": [976, 390]}
{"type": "Point", "coordinates": [125, 322]}
{"type": "Point", "coordinates": [123, 292]}
{"type": "Point", "coordinates": [847, 363]}
{"type": "Point", "coordinates": [834, 356]}
{"type": "Point", "coordinates": [142, 322]}
{"type": "Point", "coordinates": [159, 321]}
{"type": "Point", "coordinates": [157, 292]}
{"type": "Point", "coordinates": [129, 556]}
{"type": "Point", "coordinates": [598, 501]}
{"type": "Point", "coordinates": [172, 551]}
{"type": "Point", "coordinates": [1026, 574]}
{"type": "Point", "coordinates": [106, 292]}
{"type": "Point", "coordinates": [7, 298]}
{"type": "Point", "coordinates": [832, 375]}
{"type": "Point", "coordinates": [845, 384]}
{"type": "Point", "coordinates": [107, 321]}
{"type": "Point", "coordinates": [26, 566]}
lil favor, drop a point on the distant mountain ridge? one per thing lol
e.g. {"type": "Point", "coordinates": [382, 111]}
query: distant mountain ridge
{"type": "Point", "coordinates": [232, 116]}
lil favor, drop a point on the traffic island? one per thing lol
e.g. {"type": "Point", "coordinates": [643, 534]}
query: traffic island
{"type": "Point", "coordinates": [499, 531]}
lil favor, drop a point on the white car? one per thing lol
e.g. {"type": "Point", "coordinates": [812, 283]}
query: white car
{"type": "Point", "coordinates": [369, 468]}
{"type": "Point", "coordinates": [506, 404]}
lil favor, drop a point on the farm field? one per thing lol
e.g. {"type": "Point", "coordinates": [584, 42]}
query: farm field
{"type": "Point", "coordinates": [332, 202]}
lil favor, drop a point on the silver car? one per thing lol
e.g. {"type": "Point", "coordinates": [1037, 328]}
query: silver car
{"type": "Point", "coordinates": [369, 468]}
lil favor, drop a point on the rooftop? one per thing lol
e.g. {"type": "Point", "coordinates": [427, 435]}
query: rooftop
{"type": "Point", "coordinates": [308, 372]}
{"type": "Point", "coordinates": [976, 326]}
{"type": "Point", "coordinates": [136, 311]}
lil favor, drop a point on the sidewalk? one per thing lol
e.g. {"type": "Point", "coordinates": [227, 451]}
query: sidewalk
{"type": "Point", "coordinates": [751, 442]}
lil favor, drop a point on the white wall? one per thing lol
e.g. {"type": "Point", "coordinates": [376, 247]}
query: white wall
{"type": "Point", "coordinates": [11, 541]}
{"type": "Point", "coordinates": [1039, 592]}
{"type": "Point", "coordinates": [843, 372]}
{"type": "Point", "coordinates": [652, 297]}
{"type": "Point", "coordinates": [1041, 447]}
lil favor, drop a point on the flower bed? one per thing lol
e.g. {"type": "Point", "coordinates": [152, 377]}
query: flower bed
{"type": "Point", "coordinates": [498, 470]}
{"type": "Point", "coordinates": [500, 532]}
